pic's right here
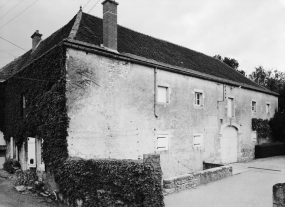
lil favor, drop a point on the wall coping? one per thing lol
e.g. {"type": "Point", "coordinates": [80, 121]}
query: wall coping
{"type": "Point", "coordinates": [192, 180]}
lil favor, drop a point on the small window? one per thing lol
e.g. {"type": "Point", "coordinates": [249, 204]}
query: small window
{"type": "Point", "coordinates": [199, 99]}
{"type": "Point", "coordinates": [253, 106]}
{"type": "Point", "coordinates": [162, 94]}
{"type": "Point", "coordinates": [198, 141]}
{"type": "Point", "coordinates": [162, 142]}
{"type": "Point", "coordinates": [267, 108]}
{"type": "Point", "coordinates": [231, 107]}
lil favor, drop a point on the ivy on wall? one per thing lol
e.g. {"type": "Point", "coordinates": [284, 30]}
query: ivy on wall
{"type": "Point", "coordinates": [43, 84]}
{"type": "Point", "coordinates": [95, 182]}
{"type": "Point", "coordinates": [2, 106]}
{"type": "Point", "coordinates": [261, 127]}
{"type": "Point", "coordinates": [110, 183]}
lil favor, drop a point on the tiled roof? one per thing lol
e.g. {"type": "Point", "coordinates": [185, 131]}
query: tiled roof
{"type": "Point", "coordinates": [90, 31]}
{"type": "Point", "coordinates": [22, 61]}
{"type": "Point", "coordinates": [132, 42]}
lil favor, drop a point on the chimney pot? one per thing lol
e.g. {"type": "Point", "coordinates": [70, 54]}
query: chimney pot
{"type": "Point", "coordinates": [110, 24]}
{"type": "Point", "coordinates": [36, 38]}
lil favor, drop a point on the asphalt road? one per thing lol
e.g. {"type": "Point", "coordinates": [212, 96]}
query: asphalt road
{"type": "Point", "coordinates": [250, 186]}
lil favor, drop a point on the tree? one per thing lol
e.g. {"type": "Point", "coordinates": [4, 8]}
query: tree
{"type": "Point", "coordinates": [259, 76]}
{"type": "Point", "coordinates": [233, 63]}
{"type": "Point", "coordinates": [272, 80]}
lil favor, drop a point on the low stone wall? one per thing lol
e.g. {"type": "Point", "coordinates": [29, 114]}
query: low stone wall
{"type": "Point", "coordinates": [279, 195]}
{"type": "Point", "coordinates": [192, 180]}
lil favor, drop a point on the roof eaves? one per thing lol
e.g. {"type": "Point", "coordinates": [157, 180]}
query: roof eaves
{"type": "Point", "coordinates": [130, 57]}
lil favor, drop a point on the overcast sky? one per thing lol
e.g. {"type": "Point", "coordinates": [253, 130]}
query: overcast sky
{"type": "Point", "coordinates": [251, 31]}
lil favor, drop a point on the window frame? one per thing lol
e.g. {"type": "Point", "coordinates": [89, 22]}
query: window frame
{"type": "Point", "coordinates": [233, 107]}
{"type": "Point", "coordinates": [202, 99]}
{"type": "Point", "coordinates": [269, 107]}
{"type": "Point", "coordinates": [254, 106]}
{"type": "Point", "coordinates": [168, 91]}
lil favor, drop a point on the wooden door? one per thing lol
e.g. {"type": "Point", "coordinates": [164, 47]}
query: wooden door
{"type": "Point", "coordinates": [229, 145]}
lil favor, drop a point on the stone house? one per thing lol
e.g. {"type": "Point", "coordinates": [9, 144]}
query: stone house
{"type": "Point", "coordinates": [129, 94]}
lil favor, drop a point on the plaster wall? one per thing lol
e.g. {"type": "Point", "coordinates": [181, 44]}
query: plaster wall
{"type": "Point", "coordinates": [2, 140]}
{"type": "Point", "coordinates": [2, 152]}
{"type": "Point", "coordinates": [111, 110]}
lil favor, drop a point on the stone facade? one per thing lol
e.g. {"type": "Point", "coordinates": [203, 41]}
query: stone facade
{"type": "Point", "coordinates": [123, 125]}
{"type": "Point", "coordinates": [113, 113]}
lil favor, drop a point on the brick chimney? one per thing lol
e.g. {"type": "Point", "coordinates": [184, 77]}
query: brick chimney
{"type": "Point", "coordinates": [110, 24]}
{"type": "Point", "coordinates": [36, 39]}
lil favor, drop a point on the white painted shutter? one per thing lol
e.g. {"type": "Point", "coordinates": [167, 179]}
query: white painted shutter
{"type": "Point", "coordinates": [12, 147]}
{"type": "Point", "coordinates": [31, 152]}
{"type": "Point", "coordinates": [162, 94]}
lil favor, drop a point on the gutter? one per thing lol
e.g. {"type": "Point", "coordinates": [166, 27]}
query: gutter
{"type": "Point", "coordinates": [158, 65]}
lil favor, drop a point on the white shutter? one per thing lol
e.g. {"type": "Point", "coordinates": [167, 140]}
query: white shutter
{"type": "Point", "coordinates": [31, 152]}
{"type": "Point", "coordinates": [162, 94]}
{"type": "Point", "coordinates": [198, 140]}
{"type": "Point", "coordinates": [12, 147]}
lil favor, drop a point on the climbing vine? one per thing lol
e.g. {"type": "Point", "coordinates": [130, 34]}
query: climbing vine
{"type": "Point", "coordinates": [43, 84]}
{"type": "Point", "coordinates": [94, 182]}
{"type": "Point", "coordinates": [110, 183]}
{"type": "Point", "coordinates": [261, 127]}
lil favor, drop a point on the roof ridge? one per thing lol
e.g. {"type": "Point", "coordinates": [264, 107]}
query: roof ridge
{"type": "Point", "coordinates": [166, 41]}
{"type": "Point", "coordinates": [75, 26]}
{"type": "Point", "coordinates": [175, 44]}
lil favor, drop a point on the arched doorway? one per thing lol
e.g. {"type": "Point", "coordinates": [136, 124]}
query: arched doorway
{"type": "Point", "coordinates": [229, 145]}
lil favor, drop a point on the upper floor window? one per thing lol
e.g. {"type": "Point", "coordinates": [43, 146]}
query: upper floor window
{"type": "Point", "coordinates": [267, 108]}
{"type": "Point", "coordinates": [231, 107]}
{"type": "Point", "coordinates": [163, 94]}
{"type": "Point", "coordinates": [253, 106]}
{"type": "Point", "coordinates": [198, 98]}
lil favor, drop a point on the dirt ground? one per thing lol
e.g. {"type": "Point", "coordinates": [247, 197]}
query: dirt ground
{"type": "Point", "coordinates": [10, 197]}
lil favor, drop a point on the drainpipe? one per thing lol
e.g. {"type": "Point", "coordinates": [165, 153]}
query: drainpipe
{"type": "Point", "coordinates": [155, 91]}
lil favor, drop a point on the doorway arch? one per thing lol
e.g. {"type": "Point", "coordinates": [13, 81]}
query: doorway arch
{"type": "Point", "coordinates": [229, 145]}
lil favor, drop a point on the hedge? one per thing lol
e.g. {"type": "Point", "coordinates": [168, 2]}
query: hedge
{"type": "Point", "coordinates": [110, 183]}
{"type": "Point", "coordinates": [277, 124]}
{"type": "Point", "coordinates": [269, 150]}
{"type": "Point", "coordinates": [261, 127]}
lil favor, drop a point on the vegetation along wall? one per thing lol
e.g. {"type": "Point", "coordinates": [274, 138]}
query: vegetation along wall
{"type": "Point", "coordinates": [43, 84]}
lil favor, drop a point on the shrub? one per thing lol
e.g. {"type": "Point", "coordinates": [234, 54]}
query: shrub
{"type": "Point", "coordinates": [277, 125]}
{"type": "Point", "coordinates": [27, 177]}
{"type": "Point", "coordinates": [269, 150]}
{"type": "Point", "coordinates": [261, 127]}
{"type": "Point", "coordinates": [9, 165]}
{"type": "Point", "coordinates": [110, 183]}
